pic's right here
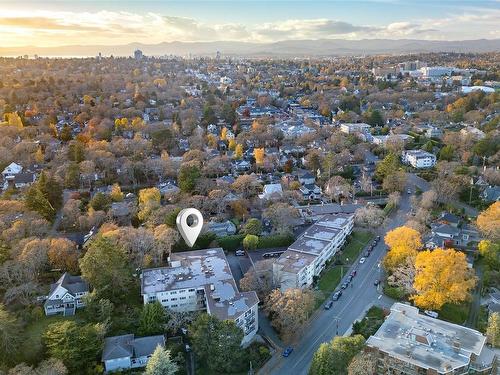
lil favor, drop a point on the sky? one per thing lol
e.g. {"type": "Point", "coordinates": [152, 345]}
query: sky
{"type": "Point", "coordinates": [83, 22]}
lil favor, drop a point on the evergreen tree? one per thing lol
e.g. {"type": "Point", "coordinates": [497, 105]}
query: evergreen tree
{"type": "Point", "coordinates": [36, 201]}
{"type": "Point", "coordinates": [160, 363]}
{"type": "Point", "coordinates": [152, 319]}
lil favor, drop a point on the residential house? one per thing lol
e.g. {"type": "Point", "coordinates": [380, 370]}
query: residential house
{"type": "Point", "coordinates": [409, 343]}
{"type": "Point", "coordinates": [307, 256]}
{"type": "Point", "coordinates": [11, 171]}
{"type": "Point", "coordinates": [225, 228]}
{"type": "Point", "coordinates": [307, 178]}
{"type": "Point", "coordinates": [66, 295]}
{"type": "Point", "coordinates": [419, 159]}
{"type": "Point", "coordinates": [310, 191]}
{"type": "Point", "coordinates": [491, 194]}
{"type": "Point", "coordinates": [127, 352]}
{"type": "Point", "coordinates": [24, 179]}
{"type": "Point", "coordinates": [201, 280]}
{"type": "Point", "coordinates": [450, 231]}
{"type": "Point", "coordinates": [271, 191]}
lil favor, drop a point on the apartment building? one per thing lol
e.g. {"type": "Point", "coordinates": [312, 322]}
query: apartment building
{"type": "Point", "coordinates": [419, 158]}
{"type": "Point", "coordinates": [201, 280]}
{"type": "Point", "coordinates": [307, 256]}
{"type": "Point", "coordinates": [351, 128]}
{"type": "Point", "coordinates": [409, 343]}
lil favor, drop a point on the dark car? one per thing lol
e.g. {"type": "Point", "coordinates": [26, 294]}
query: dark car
{"type": "Point", "coordinates": [336, 296]}
{"type": "Point", "coordinates": [367, 254]}
{"type": "Point", "coordinates": [328, 305]}
{"type": "Point", "coordinates": [376, 283]}
{"type": "Point", "coordinates": [349, 278]}
{"type": "Point", "coordinates": [378, 238]}
{"type": "Point", "coordinates": [344, 285]}
{"type": "Point", "coordinates": [353, 273]}
{"type": "Point", "coordinates": [287, 351]}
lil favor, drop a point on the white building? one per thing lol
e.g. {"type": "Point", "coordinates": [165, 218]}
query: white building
{"type": "Point", "coordinates": [271, 191]}
{"type": "Point", "coordinates": [66, 295]}
{"type": "Point", "coordinates": [419, 158]}
{"type": "Point", "coordinates": [202, 280]}
{"type": "Point", "coordinates": [435, 71]}
{"type": "Point", "coordinates": [307, 256]}
{"type": "Point", "coordinates": [351, 128]}
{"type": "Point", "coordinates": [11, 171]}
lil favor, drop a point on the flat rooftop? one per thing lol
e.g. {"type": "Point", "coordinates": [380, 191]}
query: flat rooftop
{"type": "Point", "coordinates": [201, 269]}
{"type": "Point", "coordinates": [294, 261]}
{"type": "Point", "coordinates": [426, 342]}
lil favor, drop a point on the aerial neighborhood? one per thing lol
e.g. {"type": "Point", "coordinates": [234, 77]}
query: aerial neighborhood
{"type": "Point", "coordinates": [351, 214]}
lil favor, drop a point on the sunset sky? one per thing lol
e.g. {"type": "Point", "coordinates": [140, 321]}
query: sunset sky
{"type": "Point", "coordinates": [64, 22]}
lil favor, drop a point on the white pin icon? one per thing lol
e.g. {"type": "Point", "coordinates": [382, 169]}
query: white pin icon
{"type": "Point", "coordinates": [190, 230]}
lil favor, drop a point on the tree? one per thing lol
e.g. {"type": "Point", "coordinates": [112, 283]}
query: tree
{"type": "Point", "coordinates": [490, 251]}
{"type": "Point", "coordinates": [289, 310]}
{"type": "Point", "coordinates": [259, 278]}
{"type": "Point", "coordinates": [388, 165]}
{"type": "Point", "coordinates": [97, 310]}
{"type": "Point", "coordinates": [50, 366]}
{"type": "Point", "coordinates": [337, 187]}
{"type": "Point", "coordinates": [10, 340]}
{"type": "Point", "coordinates": [394, 182]}
{"type": "Point", "coordinates": [282, 216]}
{"type": "Point", "coordinates": [238, 151]}
{"type": "Point", "coordinates": [149, 200]}
{"type": "Point", "coordinates": [100, 202]}
{"type": "Point", "coordinates": [369, 216]}
{"type": "Point", "coordinates": [78, 346]}
{"type": "Point", "coordinates": [116, 193]}
{"type": "Point", "coordinates": [493, 330]}
{"type": "Point", "coordinates": [36, 201]}
{"type": "Point", "coordinates": [160, 363]}
{"type": "Point", "coordinates": [217, 343]}
{"type": "Point", "coordinates": [259, 154]}
{"type": "Point", "coordinates": [250, 242]}
{"type": "Point", "coordinates": [488, 222]}
{"type": "Point", "coordinates": [363, 364]}
{"type": "Point", "coordinates": [188, 175]}
{"type": "Point", "coordinates": [373, 117]}
{"type": "Point", "coordinates": [253, 226]}
{"type": "Point", "coordinates": [442, 276]}
{"type": "Point", "coordinates": [63, 254]}
{"type": "Point", "coordinates": [403, 244]}
{"type": "Point", "coordinates": [333, 358]}
{"type": "Point", "coordinates": [247, 185]}
{"type": "Point", "coordinates": [447, 153]}
{"type": "Point", "coordinates": [152, 319]}
{"type": "Point", "coordinates": [105, 266]}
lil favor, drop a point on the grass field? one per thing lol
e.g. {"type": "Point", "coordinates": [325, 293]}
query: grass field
{"type": "Point", "coordinates": [357, 243]}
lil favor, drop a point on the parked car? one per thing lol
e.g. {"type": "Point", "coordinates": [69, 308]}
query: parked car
{"type": "Point", "coordinates": [362, 260]}
{"type": "Point", "coordinates": [409, 191]}
{"type": "Point", "coordinates": [367, 254]}
{"type": "Point", "coordinates": [430, 313]}
{"type": "Point", "coordinates": [344, 285]}
{"type": "Point", "coordinates": [336, 296]}
{"type": "Point", "coordinates": [349, 278]}
{"type": "Point", "coordinates": [378, 238]}
{"type": "Point", "coordinates": [240, 253]}
{"type": "Point", "coordinates": [353, 273]}
{"type": "Point", "coordinates": [328, 305]}
{"type": "Point", "coordinates": [287, 351]}
{"type": "Point", "coordinates": [376, 283]}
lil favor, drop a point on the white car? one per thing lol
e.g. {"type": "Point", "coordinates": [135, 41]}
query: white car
{"type": "Point", "coordinates": [432, 314]}
{"type": "Point", "coordinates": [362, 260]}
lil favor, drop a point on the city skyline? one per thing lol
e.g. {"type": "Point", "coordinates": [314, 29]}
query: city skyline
{"type": "Point", "coordinates": [35, 23]}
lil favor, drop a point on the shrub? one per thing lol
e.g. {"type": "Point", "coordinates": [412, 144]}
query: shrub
{"type": "Point", "coordinates": [279, 240]}
{"type": "Point", "coordinates": [230, 243]}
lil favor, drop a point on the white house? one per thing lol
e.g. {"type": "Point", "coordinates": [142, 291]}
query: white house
{"type": "Point", "coordinates": [125, 352]}
{"type": "Point", "coordinates": [11, 171]}
{"type": "Point", "coordinates": [271, 190]}
{"type": "Point", "coordinates": [307, 256]}
{"type": "Point", "coordinates": [419, 158]}
{"type": "Point", "coordinates": [66, 295]}
{"type": "Point", "coordinates": [201, 280]}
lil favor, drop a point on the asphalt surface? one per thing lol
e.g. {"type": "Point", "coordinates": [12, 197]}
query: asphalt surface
{"type": "Point", "coordinates": [355, 301]}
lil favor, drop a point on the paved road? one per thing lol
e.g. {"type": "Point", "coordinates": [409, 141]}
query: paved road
{"type": "Point", "coordinates": [352, 306]}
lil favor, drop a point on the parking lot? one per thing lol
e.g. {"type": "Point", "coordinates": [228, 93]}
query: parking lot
{"type": "Point", "coordinates": [258, 254]}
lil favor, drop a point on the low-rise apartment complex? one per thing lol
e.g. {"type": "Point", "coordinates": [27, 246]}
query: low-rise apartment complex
{"type": "Point", "coordinates": [409, 343]}
{"type": "Point", "coordinates": [202, 280]}
{"type": "Point", "coordinates": [307, 256]}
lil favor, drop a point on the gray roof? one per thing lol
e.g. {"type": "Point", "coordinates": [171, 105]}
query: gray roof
{"type": "Point", "coordinates": [293, 261]}
{"type": "Point", "coordinates": [426, 342]}
{"type": "Point", "coordinates": [201, 269]}
{"type": "Point", "coordinates": [129, 346]}
{"type": "Point", "coordinates": [73, 284]}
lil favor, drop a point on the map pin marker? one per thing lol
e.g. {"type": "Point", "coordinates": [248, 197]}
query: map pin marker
{"type": "Point", "coordinates": [189, 232]}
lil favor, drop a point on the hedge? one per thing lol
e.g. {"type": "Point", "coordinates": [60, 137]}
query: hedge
{"type": "Point", "coordinates": [278, 240]}
{"type": "Point", "coordinates": [231, 243]}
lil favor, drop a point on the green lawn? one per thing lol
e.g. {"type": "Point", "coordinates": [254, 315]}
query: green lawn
{"type": "Point", "coordinates": [455, 313]}
{"type": "Point", "coordinates": [32, 337]}
{"type": "Point", "coordinates": [357, 242]}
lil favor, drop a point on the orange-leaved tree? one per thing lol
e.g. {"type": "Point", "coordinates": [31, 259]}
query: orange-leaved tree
{"type": "Point", "coordinates": [442, 276]}
{"type": "Point", "coordinates": [488, 222]}
{"type": "Point", "coordinates": [403, 244]}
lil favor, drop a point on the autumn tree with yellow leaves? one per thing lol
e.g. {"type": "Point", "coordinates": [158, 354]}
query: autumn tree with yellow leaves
{"type": "Point", "coordinates": [403, 244]}
{"type": "Point", "coordinates": [488, 222]}
{"type": "Point", "coordinates": [238, 151]}
{"type": "Point", "coordinates": [259, 155]}
{"type": "Point", "coordinates": [442, 276]}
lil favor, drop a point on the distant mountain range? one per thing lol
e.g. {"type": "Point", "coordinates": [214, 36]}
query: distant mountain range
{"type": "Point", "coordinates": [291, 48]}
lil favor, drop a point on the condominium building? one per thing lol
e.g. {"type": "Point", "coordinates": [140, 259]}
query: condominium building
{"type": "Point", "coordinates": [307, 256]}
{"type": "Point", "coordinates": [355, 128]}
{"type": "Point", "coordinates": [409, 343]}
{"type": "Point", "coordinates": [201, 280]}
{"type": "Point", "coordinates": [419, 158]}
